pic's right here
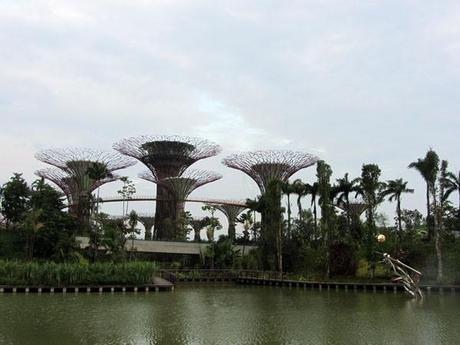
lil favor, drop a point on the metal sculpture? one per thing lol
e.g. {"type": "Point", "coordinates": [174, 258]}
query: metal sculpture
{"type": "Point", "coordinates": [79, 172]}
{"type": "Point", "coordinates": [180, 187]}
{"type": "Point", "coordinates": [231, 212]}
{"type": "Point", "coordinates": [266, 166]}
{"type": "Point", "coordinates": [406, 275]}
{"type": "Point", "coordinates": [166, 156]}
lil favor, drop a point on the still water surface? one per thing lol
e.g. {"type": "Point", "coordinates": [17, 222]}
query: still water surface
{"type": "Point", "coordinates": [229, 315]}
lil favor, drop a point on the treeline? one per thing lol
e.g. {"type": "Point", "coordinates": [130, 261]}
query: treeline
{"type": "Point", "coordinates": [336, 235]}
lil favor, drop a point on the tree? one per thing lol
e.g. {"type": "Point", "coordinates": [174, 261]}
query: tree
{"type": "Point", "coordinates": [32, 225]}
{"type": "Point", "coordinates": [342, 192]}
{"type": "Point", "coordinates": [324, 173]}
{"type": "Point", "coordinates": [428, 169]}
{"type": "Point", "coordinates": [126, 192]}
{"type": "Point", "coordinates": [133, 219]}
{"type": "Point", "coordinates": [15, 199]}
{"type": "Point", "coordinates": [312, 190]}
{"type": "Point", "coordinates": [370, 187]}
{"type": "Point", "coordinates": [451, 184]}
{"type": "Point", "coordinates": [299, 188]}
{"type": "Point", "coordinates": [248, 223]}
{"type": "Point", "coordinates": [288, 189]}
{"type": "Point", "coordinates": [393, 190]}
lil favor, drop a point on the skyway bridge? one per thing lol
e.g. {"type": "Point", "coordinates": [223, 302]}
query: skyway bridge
{"type": "Point", "coordinates": [117, 198]}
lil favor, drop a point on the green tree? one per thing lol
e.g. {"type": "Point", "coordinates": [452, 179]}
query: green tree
{"type": "Point", "coordinates": [370, 187]}
{"type": "Point", "coordinates": [133, 219]}
{"type": "Point", "coordinates": [288, 189]}
{"type": "Point", "coordinates": [324, 173]}
{"type": "Point", "coordinates": [15, 197]}
{"type": "Point", "coordinates": [393, 190]}
{"type": "Point", "coordinates": [312, 190]}
{"type": "Point", "coordinates": [342, 191]}
{"type": "Point", "coordinates": [451, 184]}
{"type": "Point", "coordinates": [126, 192]}
{"type": "Point", "coordinates": [299, 188]}
{"type": "Point", "coordinates": [428, 167]}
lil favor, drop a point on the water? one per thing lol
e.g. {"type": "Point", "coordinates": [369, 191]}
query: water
{"type": "Point", "coordinates": [229, 315]}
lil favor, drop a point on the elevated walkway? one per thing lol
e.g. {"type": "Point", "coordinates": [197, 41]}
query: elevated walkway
{"type": "Point", "coordinates": [168, 247]}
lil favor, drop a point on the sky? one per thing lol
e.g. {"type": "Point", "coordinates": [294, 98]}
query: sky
{"type": "Point", "coordinates": [353, 82]}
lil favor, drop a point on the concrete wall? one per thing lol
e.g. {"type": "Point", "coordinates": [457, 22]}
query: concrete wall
{"type": "Point", "coordinates": [170, 247]}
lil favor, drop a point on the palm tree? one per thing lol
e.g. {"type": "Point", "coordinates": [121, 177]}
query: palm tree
{"type": "Point", "coordinates": [451, 184]}
{"type": "Point", "coordinates": [312, 190]}
{"type": "Point", "coordinates": [428, 170]}
{"type": "Point", "coordinates": [288, 189]}
{"type": "Point", "coordinates": [298, 187]}
{"type": "Point", "coordinates": [394, 189]}
{"type": "Point", "coordinates": [342, 191]}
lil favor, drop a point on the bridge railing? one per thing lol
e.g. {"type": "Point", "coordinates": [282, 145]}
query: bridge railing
{"type": "Point", "coordinates": [222, 274]}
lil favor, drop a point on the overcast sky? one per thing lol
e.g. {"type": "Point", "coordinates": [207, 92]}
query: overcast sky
{"type": "Point", "coordinates": [351, 81]}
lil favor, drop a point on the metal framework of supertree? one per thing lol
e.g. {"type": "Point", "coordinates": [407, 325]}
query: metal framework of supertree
{"type": "Point", "coordinates": [197, 225]}
{"type": "Point", "coordinates": [166, 156]}
{"type": "Point", "coordinates": [79, 172]}
{"type": "Point", "coordinates": [354, 208]}
{"type": "Point", "coordinates": [181, 187]}
{"type": "Point", "coordinates": [147, 221]}
{"type": "Point", "coordinates": [266, 166]}
{"type": "Point", "coordinates": [231, 212]}
{"type": "Point", "coordinates": [77, 161]}
{"type": "Point", "coordinates": [69, 184]}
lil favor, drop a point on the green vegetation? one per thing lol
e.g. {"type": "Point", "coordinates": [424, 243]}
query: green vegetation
{"type": "Point", "coordinates": [334, 238]}
{"type": "Point", "coordinates": [18, 273]}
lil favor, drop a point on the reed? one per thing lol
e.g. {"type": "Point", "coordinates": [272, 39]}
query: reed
{"type": "Point", "coordinates": [18, 273]}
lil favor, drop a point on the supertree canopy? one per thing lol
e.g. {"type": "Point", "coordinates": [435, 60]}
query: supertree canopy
{"type": "Point", "coordinates": [180, 187]}
{"type": "Point", "coordinates": [84, 161]}
{"type": "Point", "coordinates": [266, 166]}
{"type": "Point", "coordinates": [231, 211]}
{"type": "Point", "coordinates": [165, 157]}
{"type": "Point", "coordinates": [79, 172]}
{"type": "Point", "coordinates": [355, 209]}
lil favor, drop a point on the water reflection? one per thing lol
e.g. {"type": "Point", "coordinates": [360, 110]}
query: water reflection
{"type": "Point", "coordinates": [229, 315]}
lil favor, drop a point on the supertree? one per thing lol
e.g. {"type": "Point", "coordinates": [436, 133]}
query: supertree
{"type": "Point", "coordinates": [166, 156]}
{"type": "Point", "coordinates": [79, 172]}
{"type": "Point", "coordinates": [147, 221]}
{"type": "Point", "coordinates": [231, 211]}
{"type": "Point", "coordinates": [197, 225]}
{"type": "Point", "coordinates": [180, 187]}
{"type": "Point", "coordinates": [268, 169]}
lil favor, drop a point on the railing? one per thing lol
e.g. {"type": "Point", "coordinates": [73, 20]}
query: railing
{"type": "Point", "coordinates": [220, 274]}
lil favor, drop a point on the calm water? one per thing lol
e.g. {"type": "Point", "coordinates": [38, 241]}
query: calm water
{"type": "Point", "coordinates": [229, 315]}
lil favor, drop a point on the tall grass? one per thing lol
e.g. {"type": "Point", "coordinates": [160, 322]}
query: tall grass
{"type": "Point", "coordinates": [19, 273]}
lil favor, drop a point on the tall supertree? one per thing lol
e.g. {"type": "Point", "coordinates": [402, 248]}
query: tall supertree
{"type": "Point", "coordinates": [179, 187]}
{"type": "Point", "coordinates": [231, 211]}
{"type": "Point", "coordinates": [79, 172]}
{"type": "Point", "coordinates": [268, 169]}
{"type": "Point", "coordinates": [166, 156]}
